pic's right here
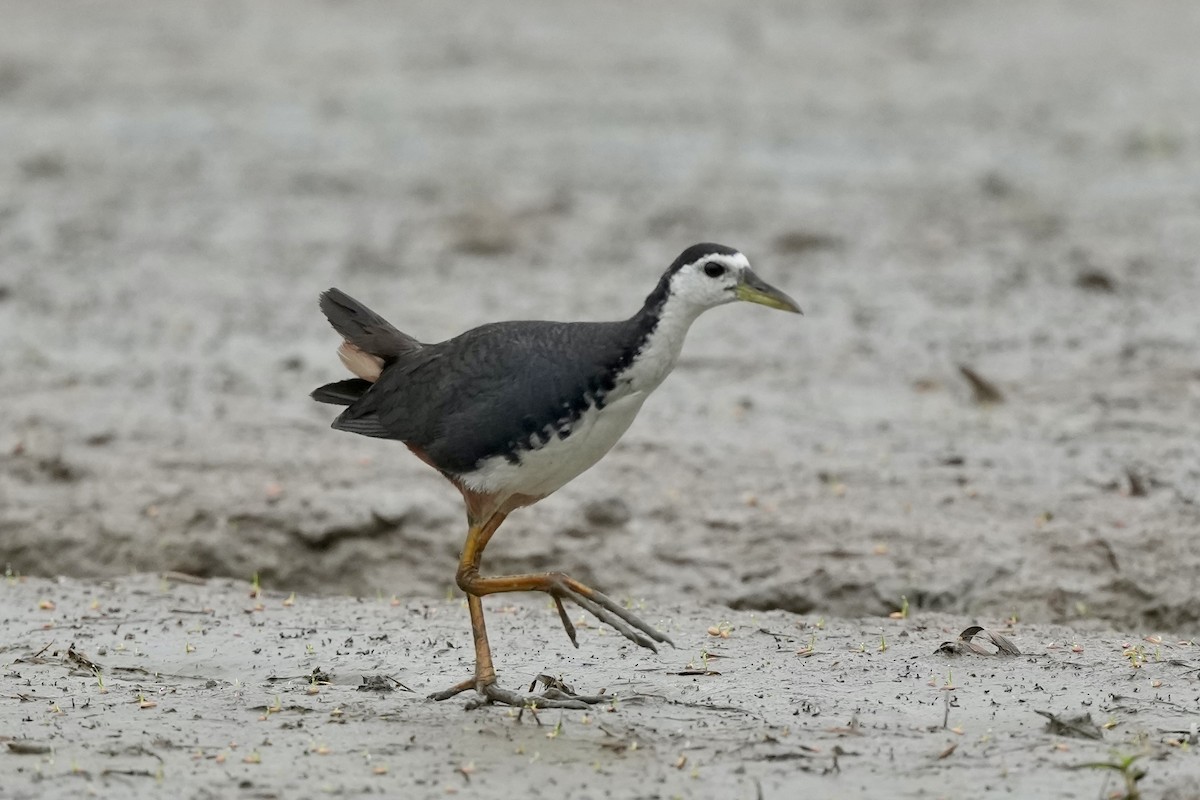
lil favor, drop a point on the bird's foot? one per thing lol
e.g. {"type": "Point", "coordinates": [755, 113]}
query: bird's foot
{"type": "Point", "coordinates": [556, 695]}
{"type": "Point", "coordinates": [603, 608]}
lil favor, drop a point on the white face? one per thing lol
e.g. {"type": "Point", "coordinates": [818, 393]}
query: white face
{"type": "Point", "coordinates": [709, 281]}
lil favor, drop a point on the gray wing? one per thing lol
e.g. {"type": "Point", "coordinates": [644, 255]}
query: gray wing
{"type": "Point", "coordinates": [491, 389]}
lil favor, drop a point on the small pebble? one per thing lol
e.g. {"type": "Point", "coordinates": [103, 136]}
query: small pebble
{"type": "Point", "coordinates": [609, 512]}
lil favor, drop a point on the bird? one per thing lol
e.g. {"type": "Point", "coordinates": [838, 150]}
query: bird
{"type": "Point", "coordinates": [510, 412]}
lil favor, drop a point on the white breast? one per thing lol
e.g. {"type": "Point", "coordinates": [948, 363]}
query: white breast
{"type": "Point", "coordinates": [559, 461]}
{"type": "Point", "coordinates": [547, 468]}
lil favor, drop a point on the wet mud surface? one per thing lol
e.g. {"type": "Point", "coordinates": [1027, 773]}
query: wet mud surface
{"type": "Point", "coordinates": [145, 686]}
{"type": "Point", "coordinates": [988, 411]}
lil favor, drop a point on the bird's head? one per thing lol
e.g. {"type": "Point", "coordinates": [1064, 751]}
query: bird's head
{"type": "Point", "coordinates": [709, 275]}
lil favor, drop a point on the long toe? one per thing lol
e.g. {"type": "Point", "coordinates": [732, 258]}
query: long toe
{"type": "Point", "coordinates": [553, 698]}
{"type": "Point", "coordinates": [490, 693]}
{"type": "Point", "coordinates": [611, 619]}
{"type": "Point", "coordinates": [611, 613]}
{"type": "Point", "coordinates": [454, 690]}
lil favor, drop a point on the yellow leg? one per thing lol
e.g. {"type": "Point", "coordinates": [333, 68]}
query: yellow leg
{"type": "Point", "coordinates": [485, 673]}
{"type": "Point", "coordinates": [556, 584]}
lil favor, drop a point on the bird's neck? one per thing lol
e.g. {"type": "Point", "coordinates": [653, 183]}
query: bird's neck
{"type": "Point", "coordinates": [662, 325]}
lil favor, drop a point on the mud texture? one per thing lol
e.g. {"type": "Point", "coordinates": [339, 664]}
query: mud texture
{"type": "Point", "coordinates": [989, 212]}
{"type": "Point", "coordinates": [146, 688]}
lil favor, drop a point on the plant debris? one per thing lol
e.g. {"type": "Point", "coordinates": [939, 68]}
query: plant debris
{"type": "Point", "coordinates": [1079, 726]}
{"type": "Point", "coordinates": [376, 683]}
{"type": "Point", "coordinates": [983, 391]}
{"type": "Point", "coordinates": [966, 644]}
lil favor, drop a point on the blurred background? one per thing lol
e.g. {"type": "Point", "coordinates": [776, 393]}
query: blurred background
{"type": "Point", "coordinates": [1011, 188]}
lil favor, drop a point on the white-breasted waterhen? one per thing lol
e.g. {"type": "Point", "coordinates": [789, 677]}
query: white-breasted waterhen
{"type": "Point", "coordinates": [509, 412]}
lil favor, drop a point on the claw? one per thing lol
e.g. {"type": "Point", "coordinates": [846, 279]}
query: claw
{"type": "Point", "coordinates": [566, 621]}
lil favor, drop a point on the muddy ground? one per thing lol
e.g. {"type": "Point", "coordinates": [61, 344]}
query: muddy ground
{"type": "Point", "coordinates": [1012, 189]}
{"type": "Point", "coordinates": [148, 688]}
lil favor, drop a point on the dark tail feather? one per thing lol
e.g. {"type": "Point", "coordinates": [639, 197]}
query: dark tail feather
{"type": "Point", "coordinates": [342, 393]}
{"type": "Point", "coordinates": [365, 329]}
{"type": "Point", "coordinates": [368, 425]}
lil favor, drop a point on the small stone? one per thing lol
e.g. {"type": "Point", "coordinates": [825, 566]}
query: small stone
{"type": "Point", "coordinates": [609, 512]}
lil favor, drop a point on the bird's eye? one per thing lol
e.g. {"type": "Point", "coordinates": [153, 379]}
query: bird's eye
{"type": "Point", "coordinates": [714, 270]}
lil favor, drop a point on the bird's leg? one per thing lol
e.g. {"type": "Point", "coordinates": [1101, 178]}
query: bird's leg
{"type": "Point", "coordinates": [485, 673]}
{"type": "Point", "coordinates": [563, 587]}
{"type": "Point", "coordinates": [484, 681]}
{"type": "Point", "coordinates": [559, 587]}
